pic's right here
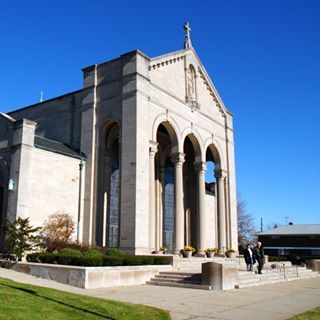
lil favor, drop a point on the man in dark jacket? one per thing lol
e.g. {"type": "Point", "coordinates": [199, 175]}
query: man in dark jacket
{"type": "Point", "coordinates": [259, 256]}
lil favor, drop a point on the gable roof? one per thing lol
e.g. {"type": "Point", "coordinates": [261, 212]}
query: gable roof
{"type": "Point", "coordinates": [162, 60]}
{"type": "Point", "coordinates": [294, 229]}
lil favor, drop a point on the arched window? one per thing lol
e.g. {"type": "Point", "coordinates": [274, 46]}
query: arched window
{"type": "Point", "coordinates": [113, 223]}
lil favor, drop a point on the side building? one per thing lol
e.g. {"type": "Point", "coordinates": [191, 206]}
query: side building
{"type": "Point", "coordinates": [127, 156]}
{"type": "Point", "coordinates": [302, 240]}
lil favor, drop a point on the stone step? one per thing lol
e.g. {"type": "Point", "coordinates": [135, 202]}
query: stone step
{"type": "Point", "coordinates": [179, 285]}
{"type": "Point", "coordinates": [246, 282]}
{"type": "Point", "coordinates": [177, 273]}
{"type": "Point", "coordinates": [165, 280]}
{"type": "Point", "coordinates": [170, 276]}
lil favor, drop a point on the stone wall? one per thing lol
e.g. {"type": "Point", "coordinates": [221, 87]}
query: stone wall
{"type": "Point", "coordinates": [91, 277]}
{"type": "Point", "coordinates": [57, 119]}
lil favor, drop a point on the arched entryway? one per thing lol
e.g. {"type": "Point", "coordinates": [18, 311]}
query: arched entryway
{"type": "Point", "coordinates": [191, 149]}
{"type": "Point", "coordinates": [164, 190]}
{"type": "Point", "coordinates": [216, 180]}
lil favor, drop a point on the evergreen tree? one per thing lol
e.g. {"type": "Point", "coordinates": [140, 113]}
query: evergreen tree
{"type": "Point", "coordinates": [21, 237]}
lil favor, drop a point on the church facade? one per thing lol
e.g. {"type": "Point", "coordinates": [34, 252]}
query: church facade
{"type": "Point", "coordinates": [142, 157]}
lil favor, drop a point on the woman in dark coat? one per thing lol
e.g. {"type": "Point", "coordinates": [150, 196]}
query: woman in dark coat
{"type": "Point", "coordinates": [249, 257]}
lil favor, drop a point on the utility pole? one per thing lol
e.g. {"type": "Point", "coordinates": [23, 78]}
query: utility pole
{"type": "Point", "coordinates": [261, 225]}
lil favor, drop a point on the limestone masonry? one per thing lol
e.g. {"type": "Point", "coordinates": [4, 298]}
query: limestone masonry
{"type": "Point", "coordinates": [127, 156]}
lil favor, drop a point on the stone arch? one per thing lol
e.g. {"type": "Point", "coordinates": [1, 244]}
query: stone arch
{"type": "Point", "coordinates": [171, 127]}
{"type": "Point", "coordinates": [196, 143]}
{"type": "Point", "coordinates": [216, 150]}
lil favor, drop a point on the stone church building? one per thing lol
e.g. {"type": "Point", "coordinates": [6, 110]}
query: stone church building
{"type": "Point", "coordinates": [128, 156]}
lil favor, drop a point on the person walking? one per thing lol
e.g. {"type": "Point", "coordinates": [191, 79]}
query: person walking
{"type": "Point", "coordinates": [259, 256]}
{"type": "Point", "coordinates": [249, 257]}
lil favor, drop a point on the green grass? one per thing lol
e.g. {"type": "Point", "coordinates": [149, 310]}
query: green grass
{"type": "Point", "coordinates": [23, 301]}
{"type": "Point", "coordinates": [313, 314]}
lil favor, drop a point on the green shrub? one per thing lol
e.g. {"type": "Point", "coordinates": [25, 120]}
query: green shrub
{"type": "Point", "coordinates": [33, 257]}
{"type": "Point", "coordinates": [112, 261]}
{"type": "Point", "coordinates": [114, 252]}
{"type": "Point", "coordinates": [130, 260]}
{"type": "Point", "coordinates": [69, 257]}
{"type": "Point", "coordinates": [147, 260]}
{"type": "Point", "coordinates": [92, 257]}
{"type": "Point", "coordinates": [47, 257]}
{"type": "Point", "coordinates": [161, 260]}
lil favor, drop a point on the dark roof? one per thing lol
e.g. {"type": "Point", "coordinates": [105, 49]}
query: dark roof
{"type": "Point", "coordinates": [294, 229]}
{"type": "Point", "coordinates": [57, 147]}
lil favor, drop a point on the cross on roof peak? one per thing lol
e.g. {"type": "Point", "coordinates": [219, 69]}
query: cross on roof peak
{"type": "Point", "coordinates": [187, 38]}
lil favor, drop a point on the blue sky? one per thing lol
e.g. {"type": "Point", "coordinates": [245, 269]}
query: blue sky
{"type": "Point", "coordinates": [263, 56]}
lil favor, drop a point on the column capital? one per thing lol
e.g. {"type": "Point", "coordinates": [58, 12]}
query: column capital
{"type": "Point", "coordinates": [200, 167]}
{"type": "Point", "coordinates": [153, 148]}
{"type": "Point", "coordinates": [220, 174]}
{"type": "Point", "coordinates": [177, 158]}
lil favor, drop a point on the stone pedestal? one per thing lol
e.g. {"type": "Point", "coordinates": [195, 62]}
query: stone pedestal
{"type": "Point", "coordinates": [219, 275]}
{"type": "Point", "coordinates": [313, 264]}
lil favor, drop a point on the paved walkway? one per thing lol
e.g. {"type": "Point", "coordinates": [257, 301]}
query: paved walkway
{"type": "Point", "coordinates": [269, 302]}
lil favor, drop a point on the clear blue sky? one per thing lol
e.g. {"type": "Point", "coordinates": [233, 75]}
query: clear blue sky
{"type": "Point", "coordinates": [263, 56]}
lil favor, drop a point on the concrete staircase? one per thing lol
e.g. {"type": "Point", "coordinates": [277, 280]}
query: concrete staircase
{"type": "Point", "coordinates": [179, 279]}
{"type": "Point", "coordinates": [289, 273]}
{"type": "Point", "coordinates": [188, 274]}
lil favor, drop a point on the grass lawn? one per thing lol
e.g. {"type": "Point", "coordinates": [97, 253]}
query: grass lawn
{"type": "Point", "coordinates": [23, 301]}
{"type": "Point", "coordinates": [309, 315]}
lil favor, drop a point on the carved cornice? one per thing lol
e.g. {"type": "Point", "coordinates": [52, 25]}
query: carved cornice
{"type": "Point", "coordinates": [206, 83]}
{"type": "Point", "coordinates": [166, 61]}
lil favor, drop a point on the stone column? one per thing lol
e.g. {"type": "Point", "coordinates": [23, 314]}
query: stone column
{"type": "Point", "coordinates": [220, 176]}
{"type": "Point", "coordinates": [152, 214]}
{"type": "Point", "coordinates": [178, 159]}
{"type": "Point", "coordinates": [202, 236]}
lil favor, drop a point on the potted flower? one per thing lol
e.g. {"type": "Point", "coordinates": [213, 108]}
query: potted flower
{"type": "Point", "coordinates": [211, 252]}
{"type": "Point", "coordinates": [231, 253]}
{"type": "Point", "coordinates": [188, 250]}
{"type": "Point", "coordinates": [163, 250]}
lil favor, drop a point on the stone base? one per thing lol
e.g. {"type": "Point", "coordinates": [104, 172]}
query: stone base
{"type": "Point", "coordinates": [219, 275]}
{"type": "Point", "coordinates": [91, 277]}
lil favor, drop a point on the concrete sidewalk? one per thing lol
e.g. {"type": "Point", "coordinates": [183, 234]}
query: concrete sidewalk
{"type": "Point", "coordinates": [269, 302]}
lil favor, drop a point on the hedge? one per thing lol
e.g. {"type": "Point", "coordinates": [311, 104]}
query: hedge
{"type": "Point", "coordinates": [94, 257]}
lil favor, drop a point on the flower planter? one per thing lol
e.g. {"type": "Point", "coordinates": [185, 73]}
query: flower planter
{"type": "Point", "coordinates": [187, 254]}
{"type": "Point", "coordinates": [231, 255]}
{"type": "Point", "coordinates": [210, 254]}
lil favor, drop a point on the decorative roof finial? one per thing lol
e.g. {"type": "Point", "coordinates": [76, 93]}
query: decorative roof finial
{"type": "Point", "coordinates": [187, 38]}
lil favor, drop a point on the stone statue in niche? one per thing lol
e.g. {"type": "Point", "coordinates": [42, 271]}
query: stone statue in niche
{"type": "Point", "coordinates": [191, 97]}
{"type": "Point", "coordinates": [191, 85]}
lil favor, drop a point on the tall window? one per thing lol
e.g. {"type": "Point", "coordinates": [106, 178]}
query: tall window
{"type": "Point", "coordinates": [113, 232]}
{"type": "Point", "coordinates": [168, 223]}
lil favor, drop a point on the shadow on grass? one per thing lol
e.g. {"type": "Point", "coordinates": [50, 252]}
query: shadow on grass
{"type": "Point", "coordinates": [57, 301]}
